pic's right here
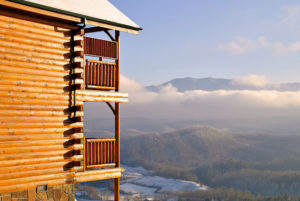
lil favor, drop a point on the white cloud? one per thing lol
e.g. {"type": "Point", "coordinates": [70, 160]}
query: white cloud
{"type": "Point", "coordinates": [258, 81]}
{"type": "Point", "coordinates": [242, 45]}
{"type": "Point", "coordinates": [137, 93]}
{"type": "Point", "coordinates": [254, 98]}
{"type": "Point", "coordinates": [168, 104]}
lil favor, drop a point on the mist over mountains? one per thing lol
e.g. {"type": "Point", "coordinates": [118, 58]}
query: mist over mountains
{"type": "Point", "coordinates": [249, 103]}
{"type": "Point", "coordinates": [212, 84]}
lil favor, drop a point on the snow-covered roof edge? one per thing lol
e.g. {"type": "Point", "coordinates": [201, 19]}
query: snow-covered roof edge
{"type": "Point", "coordinates": [95, 10]}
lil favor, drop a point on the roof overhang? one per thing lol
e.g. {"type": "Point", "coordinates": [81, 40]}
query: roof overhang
{"type": "Point", "coordinates": [96, 12]}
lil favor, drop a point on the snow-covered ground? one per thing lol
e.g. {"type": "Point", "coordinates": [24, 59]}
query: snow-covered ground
{"type": "Point", "coordinates": [137, 181]}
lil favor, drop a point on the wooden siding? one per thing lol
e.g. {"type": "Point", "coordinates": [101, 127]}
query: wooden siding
{"type": "Point", "coordinates": [39, 143]}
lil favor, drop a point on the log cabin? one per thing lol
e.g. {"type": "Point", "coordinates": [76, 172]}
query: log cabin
{"type": "Point", "coordinates": [48, 69]}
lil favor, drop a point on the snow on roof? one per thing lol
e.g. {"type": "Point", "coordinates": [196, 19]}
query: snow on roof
{"type": "Point", "coordinates": [96, 10]}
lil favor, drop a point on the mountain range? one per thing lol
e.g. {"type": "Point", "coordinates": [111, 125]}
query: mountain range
{"type": "Point", "coordinates": [212, 84]}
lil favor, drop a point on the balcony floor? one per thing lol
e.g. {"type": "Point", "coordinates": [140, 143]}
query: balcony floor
{"type": "Point", "coordinates": [89, 95]}
{"type": "Point", "coordinates": [98, 174]}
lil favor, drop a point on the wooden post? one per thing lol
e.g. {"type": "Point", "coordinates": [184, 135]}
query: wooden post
{"type": "Point", "coordinates": [117, 119]}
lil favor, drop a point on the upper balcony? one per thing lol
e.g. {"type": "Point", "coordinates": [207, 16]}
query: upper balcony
{"type": "Point", "coordinates": [101, 78]}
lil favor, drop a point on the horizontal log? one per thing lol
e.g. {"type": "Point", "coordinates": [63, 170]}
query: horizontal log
{"type": "Point", "coordinates": [12, 126]}
{"type": "Point", "coordinates": [20, 168]}
{"type": "Point", "coordinates": [31, 83]}
{"type": "Point", "coordinates": [62, 59]}
{"type": "Point", "coordinates": [39, 110]}
{"type": "Point", "coordinates": [19, 38]}
{"type": "Point", "coordinates": [26, 143]}
{"type": "Point", "coordinates": [39, 161]}
{"type": "Point", "coordinates": [20, 76]}
{"type": "Point", "coordinates": [32, 36]}
{"type": "Point", "coordinates": [49, 113]}
{"type": "Point", "coordinates": [34, 173]}
{"type": "Point", "coordinates": [33, 48]}
{"type": "Point", "coordinates": [11, 138]}
{"type": "Point", "coordinates": [35, 155]}
{"type": "Point", "coordinates": [28, 20]}
{"type": "Point", "coordinates": [31, 119]}
{"type": "Point", "coordinates": [40, 148]}
{"type": "Point", "coordinates": [9, 55]}
{"type": "Point", "coordinates": [48, 108]}
{"type": "Point", "coordinates": [36, 178]}
{"type": "Point", "coordinates": [67, 130]}
{"type": "Point", "coordinates": [69, 178]}
{"type": "Point", "coordinates": [28, 93]}
{"type": "Point", "coordinates": [34, 66]}
{"type": "Point", "coordinates": [19, 27]}
{"type": "Point", "coordinates": [12, 100]}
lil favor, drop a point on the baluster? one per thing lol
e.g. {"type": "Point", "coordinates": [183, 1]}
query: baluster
{"type": "Point", "coordinates": [107, 75]}
{"type": "Point", "coordinates": [102, 153]}
{"type": "Point", "coordinates": [110, 75]}
{"type": "Point", "coordinates": [101, 74]}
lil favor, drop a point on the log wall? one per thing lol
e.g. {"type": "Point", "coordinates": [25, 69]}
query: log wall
{"type": "Point", "coordinates": [39, 141]}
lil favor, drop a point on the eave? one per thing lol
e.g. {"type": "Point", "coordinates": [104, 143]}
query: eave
{"type": "Point", "coordinates": [66, 15]}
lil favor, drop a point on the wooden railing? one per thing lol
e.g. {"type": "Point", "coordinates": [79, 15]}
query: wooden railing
{"type": "Point", "coordinates": [100, 153]}
{"type": "Point", "coordinates": [100, 75]}
{"type": "Point", "coordinates": [100, 48]}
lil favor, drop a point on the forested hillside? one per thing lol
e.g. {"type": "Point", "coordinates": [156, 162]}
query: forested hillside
{"type": "Point", "coordinates": [262, 163]}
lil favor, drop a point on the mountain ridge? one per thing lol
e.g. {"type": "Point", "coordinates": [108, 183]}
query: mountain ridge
{"type": "Point", "coordinates": [212, 84]}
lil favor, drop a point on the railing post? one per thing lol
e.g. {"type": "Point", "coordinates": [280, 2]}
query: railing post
{"type": "Point", "coordinates": [117, 118]}
{"type": "Point", "coordinates": [84, 153]}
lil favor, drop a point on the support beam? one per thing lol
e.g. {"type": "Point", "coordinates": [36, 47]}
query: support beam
{"type": "Point", "coordinates": [109, 35]}
{"type": "Point", "coordinates": [117, 189]}
{"type": "Point", "coordinates": [111, 107]}
{"type": "Point", "coordinates": [94, 29]}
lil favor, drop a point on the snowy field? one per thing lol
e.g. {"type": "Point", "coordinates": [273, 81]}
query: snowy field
{"type": "Point", "coordinates": [137, 181]}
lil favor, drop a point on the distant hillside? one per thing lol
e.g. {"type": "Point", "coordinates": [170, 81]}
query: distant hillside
{"type": "Point", "coordinates": [211, 84]}
{"type": "Point", "coordinates": [186, 148]}
{"type": "Point", "coordinates": [220, 158]}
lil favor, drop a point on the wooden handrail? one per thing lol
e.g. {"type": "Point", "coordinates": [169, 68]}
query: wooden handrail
{"type": "Point", "coordinates": [100, 140]}
{"type": "Point", "coordinates": [99, 153]}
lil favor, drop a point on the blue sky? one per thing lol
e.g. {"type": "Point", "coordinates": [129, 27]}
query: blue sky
{"type": "Point", "coordinates": [215, 38]}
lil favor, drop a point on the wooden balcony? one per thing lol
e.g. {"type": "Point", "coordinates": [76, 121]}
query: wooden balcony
{"type": "Point", "coordinates": [100, 160]}
{"type": "Point", "coordinates": [100, 75]}
{"type": "Point", "coordinates": [100, 153]}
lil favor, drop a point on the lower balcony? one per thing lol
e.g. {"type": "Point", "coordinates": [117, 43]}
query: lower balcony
{"type": "Point", "coordinates": [100, 153]}
{"type": "Point", "coordinates": [100, 160]}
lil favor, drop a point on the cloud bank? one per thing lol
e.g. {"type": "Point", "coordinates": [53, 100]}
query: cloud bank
{"type": "Point", "coordinates": [242, 45]}
{"type": "Point", "coordinates": [258, 108]}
